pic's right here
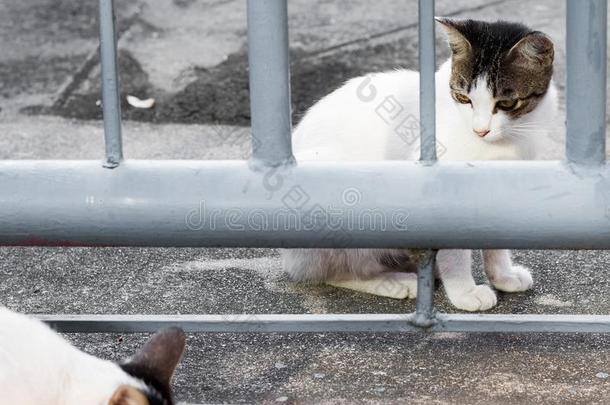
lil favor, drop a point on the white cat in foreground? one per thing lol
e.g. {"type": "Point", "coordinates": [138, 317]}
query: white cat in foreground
{"type": "Point", "coordinates": [495, 100]}
{"type": "Point", "coordinates": [39, 367]}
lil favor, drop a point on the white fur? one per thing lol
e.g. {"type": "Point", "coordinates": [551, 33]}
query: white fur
{"type": "Point", "coordinates": [375, 117]}
{"type": "Point", "coordinates": [38, 367]}
{"type": "Point", "coordinates": [390, 284]}
{"type": "Point", "coordinates": [345, 127]}
{"type": "Point", "coordinates": [482, 108]}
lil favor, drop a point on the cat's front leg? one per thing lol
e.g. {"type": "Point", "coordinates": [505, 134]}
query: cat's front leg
{"type": "Point", "coordinates": [503, 274]}
{"type": "Point", "coordinates": [455, 272]}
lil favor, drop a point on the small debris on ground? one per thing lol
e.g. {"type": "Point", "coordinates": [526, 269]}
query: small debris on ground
{"type": "Point", "coordinates": [139, 103]}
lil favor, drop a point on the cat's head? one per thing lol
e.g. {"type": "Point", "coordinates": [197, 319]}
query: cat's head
{"type": "Point", "coordinates": [500, 72]}
{"type": "Point", "coordinates": [154, 367]}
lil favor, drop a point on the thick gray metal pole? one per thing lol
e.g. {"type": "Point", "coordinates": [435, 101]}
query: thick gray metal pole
{"type": "Point", "coordinates": [427, 67]}
{"type": "Point", "coordinates": [225, 203]}
{"type": "Point", "coordinates": [111, 102]}
{"type": "Point", "coordinates": [586, 81]}
{"type": "Point", "coordinates": [269, 83]}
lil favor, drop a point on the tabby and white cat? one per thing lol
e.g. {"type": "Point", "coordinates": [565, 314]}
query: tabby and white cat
{"type": "Point", "coordinates": [38, 367]}
{"type": "Point", "coordinates": [495, 100]}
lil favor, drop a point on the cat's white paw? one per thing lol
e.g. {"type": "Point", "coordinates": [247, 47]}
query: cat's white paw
{"type": "Point", "coordinates": [397, 285]}
{"type": "Point", "coordinates": [480, 298]}
{"type": "Point", "coordinates": [391, 284]}
{"type": "Point", "coordinates": [518, 278]}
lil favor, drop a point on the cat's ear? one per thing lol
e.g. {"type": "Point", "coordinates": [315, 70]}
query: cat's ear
{"type": "Point", "coordinates": [127, 395]}
{"type": "Point", "coordinates": [460, 46]}
{"type": "Point", "coordinates": [534, 50]}
{"type": "Point", "coordinates": [161, 354]}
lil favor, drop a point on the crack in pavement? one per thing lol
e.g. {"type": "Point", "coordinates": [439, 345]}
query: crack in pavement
{"type": "Point", "coordinates": [93, 59]}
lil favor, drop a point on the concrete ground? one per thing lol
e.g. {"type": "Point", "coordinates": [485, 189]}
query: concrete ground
{"type": "Point", "coordinates": [190, 56]}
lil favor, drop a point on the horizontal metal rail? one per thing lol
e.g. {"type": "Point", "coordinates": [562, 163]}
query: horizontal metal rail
{"type": "Point", "coordinates": [328, 323]}
{"type": "Point", "coordinates": [523, 205]}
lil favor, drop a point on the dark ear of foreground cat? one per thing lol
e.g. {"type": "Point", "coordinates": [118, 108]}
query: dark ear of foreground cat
{"type": "Point", "coordinates": [155, 364]}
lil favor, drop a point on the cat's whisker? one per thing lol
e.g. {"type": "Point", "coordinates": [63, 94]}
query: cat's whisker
{"type": "Point", "coordinates": [528, 130]}
{"type": "Point", "coordinates": [531, 122]}
{"type": "Point", "coordinates": [526, 127]}
{"type": "Point", "coordinates": [510, 133]}
{"type": "Point", "coordinates": [530, 125]}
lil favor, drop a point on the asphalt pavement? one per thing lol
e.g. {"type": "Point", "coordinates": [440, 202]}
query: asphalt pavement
{"type": "Point", "coordinates": [191, 57]}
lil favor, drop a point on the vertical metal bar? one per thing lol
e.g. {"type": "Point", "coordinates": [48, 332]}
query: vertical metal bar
{"type": "Point", "coordinates": [269, 82]}
{"type": "Point", "coordinates": [110, 84]}
{"type": "Point", "coordinates": [427, 67]}
{"type": "Point", "coordinates": [586, 81]}
{"type": "Point", "coordinates": [424, 313]}
{"type": "Point", "coordinates": [424, 305]}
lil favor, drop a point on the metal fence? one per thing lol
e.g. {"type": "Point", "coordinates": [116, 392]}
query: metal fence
{"type": "Point", "coordinates": [212, 203]}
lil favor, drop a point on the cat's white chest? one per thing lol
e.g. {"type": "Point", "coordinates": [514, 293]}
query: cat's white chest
{"type": "Point", "coordinates": [456, 142]}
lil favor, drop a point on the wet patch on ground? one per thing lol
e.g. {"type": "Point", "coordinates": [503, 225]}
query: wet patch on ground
{"type": "Point", "coordinates": [85, 102]}
{"type": "Point", "coordinates": [220, 95]}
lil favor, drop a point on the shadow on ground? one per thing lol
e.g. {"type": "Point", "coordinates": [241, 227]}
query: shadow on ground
{"type": "Point", "coordinates": [220, 95]}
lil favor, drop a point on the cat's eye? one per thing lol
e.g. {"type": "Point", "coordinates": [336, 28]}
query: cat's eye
{"type": "Point", "coordinates": [507, 105]}
{"type": "Point", "coordinates": [460, 98]}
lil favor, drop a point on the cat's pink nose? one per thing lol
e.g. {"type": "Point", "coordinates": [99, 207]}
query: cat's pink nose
{"type": "Point", "coordinates": [481, 132]}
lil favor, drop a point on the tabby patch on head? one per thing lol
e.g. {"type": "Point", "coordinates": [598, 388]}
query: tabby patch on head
{"type": "Point", "coordinates": [509, 62]}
